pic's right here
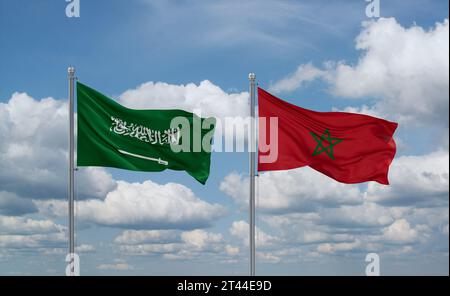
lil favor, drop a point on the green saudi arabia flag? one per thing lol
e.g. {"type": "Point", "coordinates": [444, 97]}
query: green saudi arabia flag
{"type": "Point", "coordinates": [110, 135]}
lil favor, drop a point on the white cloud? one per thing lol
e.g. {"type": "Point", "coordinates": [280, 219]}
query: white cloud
{"type": "Point", "coordinates": [400, 251]}
{"type": "Point", "coordinates": [366, 215]}
{"type": "Point", "coordinates": [84, 248]}
{"type": "Point", "coordinates": [400, 232]}
{"type": "Point", "coordinates": [407, 69]}
{"type": "Point", "coordinates": [312, 236]}
{"type": "Point", "coordinates": [93, 182]}
{"type": "Point", "coordinates": [361, 228]}
{"type": "Point", "coordinates": [267, 257]}
{"type": "Point", "coordinates": [434, 217]}
{"type": "Point", "coordinates": [19, 234]}
{"type": "Point", "coordinates": [295, 190]}
{"type": "Point", "coordinates": [233, 251]}
{"type": "Point", "coordinates": [143, 205]}
{"type": "Point", "coordinates": [352, 228]}
{"type": "Point", "coordinates": [146, 249]}
{"type": "Point", "coordinates": [413, 210]}
{"type": "Point", "coordinates": [205, 99]}
{"type": "Point", "coordinates": [364, 109]}
{"type": "Point", "coordinates": [421, 180]}
{"type": "Point", "coordinates": [241, 230]}
{"type": "Point", "coordinates": [306, 230]}
{"type": "Point", "coordinates": [173, 245]}
{"type": "Point", "coordinates": [115, 266]}
{"type": "Point", "coordinates": [21, 225]}
{"type": "Point", "coordinates": [210, 99]}
{"type": "Point", "coordinates": [33, 151]}
{"type": "Point", "coordinates": [405, 66]}
{"type": "Point", "coordinates": [135, 237]}
{"type": "Point", "coordinates": [331, 248]}
{"type": "Point", "coordinates": [61, 252]}
{"type": "Point", "coordinates": [34, 242]}
{"type": "Point", "coordinates": [304, 73]}
{"type": "Point", "coordinates": [199, 239]}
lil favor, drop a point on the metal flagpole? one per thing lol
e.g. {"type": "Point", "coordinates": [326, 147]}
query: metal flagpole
{"type": "Point", "coordinates": [71, 72]}
{"type": "Point", "coordinates": [252, 151]}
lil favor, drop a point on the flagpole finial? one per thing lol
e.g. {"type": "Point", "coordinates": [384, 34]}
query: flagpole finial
{"type": "Point", "coordinates": [251, 76]}
{"type": "Point", "coordinates": [71, 71]}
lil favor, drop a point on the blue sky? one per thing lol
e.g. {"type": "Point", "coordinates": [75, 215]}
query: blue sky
{"type": "Point", "coordinates": [395, 67]}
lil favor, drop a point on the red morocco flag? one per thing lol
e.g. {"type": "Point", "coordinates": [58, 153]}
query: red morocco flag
{"type": "Point", "coordinates": [350, 148]}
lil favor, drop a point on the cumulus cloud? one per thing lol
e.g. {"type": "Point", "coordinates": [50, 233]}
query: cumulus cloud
{"type": "Point", "coordinates": [34, 242]}
{"type": "Point", "coordinates": [210, 99]}
{"type": "Point", "coordinates": [20, 234]}
{"type": "Point", "coordinates": [33, 151]}
{"type": "Point", "coordinates": [174, 245]}
{"type": "Point", "coordinates": [414, 180]}
{"type": "Point", "coordinates": [400, 232]}
{"type": "Point", "coordinates": [350, 230]}
{"type": "Point", "coordinates": [374, 227]}
{"type": "Point", "coordinates": [367, 215]}
{"type": "Point", "coordinates": [146, 205]}
{"type": "Point", "coordinates": [22, 225]}
{"type": "Point", "coordinates": [412, 211]}
{"type": "Point", "coordinates": [305, 230]}
{"type": "Point", "coordinates": [205, 99]}
{"type": "Point", "coordinates": [303, 207]}
{"type": "Point", "coordinates": [295, 190]}
{"type": "Point", "coordinates": [241, 230]}
{"type": "Point", "coordinates": [402, 65]}
{"type": "Point", "coordinates": [405, 69]}
{"type": "Point", "coordinates": [421, 180]}
{"type": "Point", "coordinates": [200, 239]}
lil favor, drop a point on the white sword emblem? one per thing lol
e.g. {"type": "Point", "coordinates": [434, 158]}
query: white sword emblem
{"type": "Point", "coordinates": [158, 160]}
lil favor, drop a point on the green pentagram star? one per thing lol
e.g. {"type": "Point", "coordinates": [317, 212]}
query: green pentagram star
{"type": "Point", "coordinates": [321, 148]}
